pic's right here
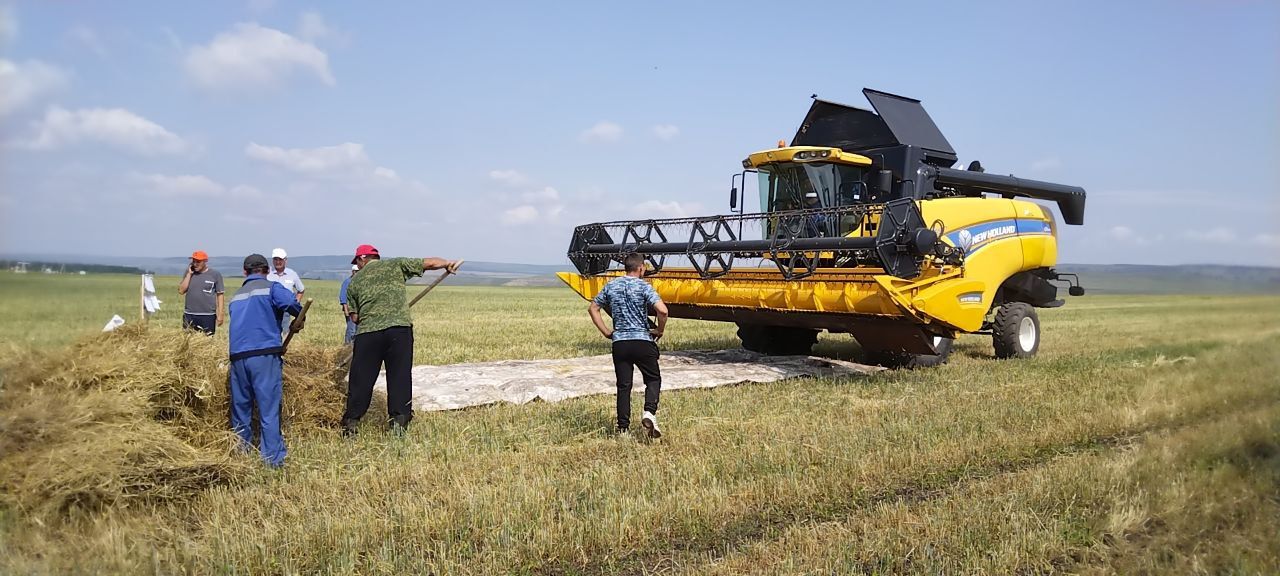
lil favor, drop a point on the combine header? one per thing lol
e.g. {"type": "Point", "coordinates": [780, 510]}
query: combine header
{"type": "Point", "coordinates": [864, 228]}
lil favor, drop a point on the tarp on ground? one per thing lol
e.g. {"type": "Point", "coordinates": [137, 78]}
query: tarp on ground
{"type": "Point", "coordinates": [456, 386]}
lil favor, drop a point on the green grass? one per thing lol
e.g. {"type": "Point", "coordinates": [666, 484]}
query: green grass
{"type": "Point", "coordinates": [1145, 438]}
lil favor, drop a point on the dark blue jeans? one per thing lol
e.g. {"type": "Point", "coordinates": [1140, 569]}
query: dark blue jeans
{"type": "Point", "coordinates": [258, 380]}
{"type": "Point", "coordinates": [207, 323]}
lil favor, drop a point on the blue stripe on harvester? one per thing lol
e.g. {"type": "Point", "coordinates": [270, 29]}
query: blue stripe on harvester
{"type": "Point", "coordinates": [972, 238]}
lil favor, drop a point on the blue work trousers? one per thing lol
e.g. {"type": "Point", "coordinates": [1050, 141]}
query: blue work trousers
{"type": "Point", "coordinates": [258, 380]}
{"type": "Point", "coordinates": [350, 336]}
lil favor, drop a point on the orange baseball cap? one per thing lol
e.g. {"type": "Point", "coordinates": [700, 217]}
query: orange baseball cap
{"type": "Point", "coordinates": [199, 255]}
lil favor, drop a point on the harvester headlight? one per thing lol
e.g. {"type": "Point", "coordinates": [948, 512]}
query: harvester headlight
{"type": "Point", "coordinates": [802, 155]}
{"type": "Point", "coordinates": [746, 163]}
{"type": "Point", "coordinates": [826, 153]}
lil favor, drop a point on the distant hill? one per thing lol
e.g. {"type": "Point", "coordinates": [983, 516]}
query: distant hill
{"type": "Point", "coordinates": [1185, 279]}
{"type": "Point", "coordinates": [67, 267]}
{"type": "Point", "coordinates": [317, 267]}
{"type": "Point", "coordinates": [1097, 278]}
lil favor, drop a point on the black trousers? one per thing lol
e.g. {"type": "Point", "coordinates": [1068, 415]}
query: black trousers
{"type": "Point", "coordinates": [394, 348]}
{"type": "Point", "coordinates": [628, 355]}
{"type": "Point", "coordinates": [207, 323]}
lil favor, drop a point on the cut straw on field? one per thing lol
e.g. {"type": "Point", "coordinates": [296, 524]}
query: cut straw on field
{"type": "Point", "coordinates": [136, 415]}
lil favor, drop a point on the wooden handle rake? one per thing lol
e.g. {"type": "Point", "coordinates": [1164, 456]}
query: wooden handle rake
{"type": "Point", "coordinates": [302, 317]}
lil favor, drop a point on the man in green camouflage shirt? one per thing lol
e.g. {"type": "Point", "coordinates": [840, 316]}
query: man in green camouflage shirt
{"type": "Point", "coordinates": [384, 334]}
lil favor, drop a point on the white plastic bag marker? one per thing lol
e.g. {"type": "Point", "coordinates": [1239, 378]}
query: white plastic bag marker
{"type": "Point", "coordinates": [116, 322]}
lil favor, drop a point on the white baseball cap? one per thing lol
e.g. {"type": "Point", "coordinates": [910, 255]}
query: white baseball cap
{"type": "Point", "coordinates": [279, 253]}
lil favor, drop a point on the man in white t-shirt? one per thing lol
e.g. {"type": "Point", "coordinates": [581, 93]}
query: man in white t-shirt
{"type": "Point", "coordinates": [282, 273]}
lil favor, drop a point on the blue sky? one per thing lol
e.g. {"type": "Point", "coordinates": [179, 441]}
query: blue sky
{"type": "Point", "coordinates": [488, 131]}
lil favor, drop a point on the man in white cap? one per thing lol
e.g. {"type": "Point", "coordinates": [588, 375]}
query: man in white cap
{"type": "Point", "coordinates": [280, 272]}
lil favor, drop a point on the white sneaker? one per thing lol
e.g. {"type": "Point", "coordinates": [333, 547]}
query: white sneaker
{"type": "Point", "coordinates": [650, 422]}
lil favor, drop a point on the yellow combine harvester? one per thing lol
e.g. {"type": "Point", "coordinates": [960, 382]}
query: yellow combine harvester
{"type": "Point", "coordinates": [864, 228]}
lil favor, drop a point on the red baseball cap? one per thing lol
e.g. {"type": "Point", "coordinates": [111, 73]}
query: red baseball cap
{"type": "Point", "coordinates": [364, 250]}
{"type": "Point", "coordinates": [199, 255]}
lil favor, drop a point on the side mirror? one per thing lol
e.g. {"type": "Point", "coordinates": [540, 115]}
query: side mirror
{"type": "Point", "coordinates": [1076, 290]}
{"type": "Point", "coordinates": [733, 198]}
{"type": "Point", "coordinates": [884, 181]}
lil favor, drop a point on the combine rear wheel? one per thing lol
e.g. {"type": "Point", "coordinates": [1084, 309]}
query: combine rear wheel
{"type": "Point", "coordinates": [1015, 332]}
{"type": "Point", "coordinates": [896, 359]}
{"type": "Point", "coordinates": [777, 340]}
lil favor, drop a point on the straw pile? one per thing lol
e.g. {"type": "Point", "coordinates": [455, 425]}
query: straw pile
{"type": "Point", "coordinates": [138, 415]}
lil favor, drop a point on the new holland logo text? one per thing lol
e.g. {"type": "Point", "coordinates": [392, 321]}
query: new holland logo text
{"type": "Point", "coordinates": [993, 233]}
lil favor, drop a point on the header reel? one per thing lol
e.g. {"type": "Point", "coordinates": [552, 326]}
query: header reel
{"type": "Point", "coordinates": [797, 242]}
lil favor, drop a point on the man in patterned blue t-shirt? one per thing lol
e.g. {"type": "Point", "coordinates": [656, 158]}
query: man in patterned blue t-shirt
{"type": "Point", "coordinates": [627, 299]}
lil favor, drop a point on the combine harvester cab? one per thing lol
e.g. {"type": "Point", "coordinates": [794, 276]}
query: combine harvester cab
{"type": "Point", "coordinates": [864, 228]}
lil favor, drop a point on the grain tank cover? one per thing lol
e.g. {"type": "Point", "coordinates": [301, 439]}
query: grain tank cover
{"type": "Point", "coordinates": [901, 121]}
{"type": "Point", "coordinates": [908, 121]}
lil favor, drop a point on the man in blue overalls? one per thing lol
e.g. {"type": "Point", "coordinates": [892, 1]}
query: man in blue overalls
{"type": "Point", "coordinates": [257, 310]}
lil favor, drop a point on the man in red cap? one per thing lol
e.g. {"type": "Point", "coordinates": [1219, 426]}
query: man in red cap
{"type": "Point", "coordinates": [384, 334]}
{"type": "Point", "coordinates": [204, 291]}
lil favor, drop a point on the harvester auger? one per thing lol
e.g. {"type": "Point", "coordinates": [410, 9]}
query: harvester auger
{"type": "Point", "coordinates": [864, 228]}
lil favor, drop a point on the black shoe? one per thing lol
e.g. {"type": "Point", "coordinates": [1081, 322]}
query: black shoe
{"type": "Point", "coordinates": [400, 424]}
{"type": "Point", "coordinates": [349, 428]}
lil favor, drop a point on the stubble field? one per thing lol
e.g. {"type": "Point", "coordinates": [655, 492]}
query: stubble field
{"type": "Point", "coordinates": [1145, 437]}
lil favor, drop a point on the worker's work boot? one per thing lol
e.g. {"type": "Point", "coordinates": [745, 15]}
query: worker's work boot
{"type": "Point", "coordinates": [400, 424]}
{"type": "Point", "coordinates": [349, 428]}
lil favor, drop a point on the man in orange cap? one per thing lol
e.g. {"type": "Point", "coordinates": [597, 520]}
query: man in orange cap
{"type": "Point", "coordinates": [203, 288]}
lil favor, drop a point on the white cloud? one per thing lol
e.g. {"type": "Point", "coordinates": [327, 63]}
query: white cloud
{"type": "Point", "coordinates": [1122, 233]}
{"type": "Point", "coordinates": [1268, 240]}
{"type": "Point", "coordinates": [345, 164]}
{"type": "Point", "coordinates": [386, 174]}
{"type": "Point", "coordinates": [181, 186]}
{"type": "Point", "coordinates": [509, 177]}
{"type": "Point", "coordinates": [244, 191]}
{"type": "Point", "coordinates": [666, 131]}
{"type": "Point", "coordinates": [115, 127]}
{"type": "Point", "coordinates": [1046, 164]}
{"type": "Point", "coordinates": [1126, 234]}
{"type": "Point", "coordinates": [520, 215]}
{"type": "Point", "coordinates": [8, 25]}
{"type": "Point", "coordinates": [1213, 235]}
{"type": "Point", "coordinates": [659, 209]}
{"type": "Point", "coordinates": [602, 132]}
{"type": "Point", "coordinates": [547, 194]}
{"type": "Point", "coordinates": [250, 56]}
{"type": "Point", "coordinates": [24, 83]}
{"type": "Point", "coordinates": [312, 27]}
{"type": "Point", "coordinates": [88, 38]}
{"type": "Point", "coordinates": [324, 160]}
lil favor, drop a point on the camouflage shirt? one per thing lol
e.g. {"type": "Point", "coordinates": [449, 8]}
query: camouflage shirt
{"type": "Point", "coordinates": [376, 293]}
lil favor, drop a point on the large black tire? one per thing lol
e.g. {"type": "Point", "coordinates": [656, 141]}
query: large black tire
{"type": "Point", "coordinates": [777, 340]}
{"type": "Point", "coordinates": [1015, 332]}
{"type": "Point", "coordinates": [895, 359]}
